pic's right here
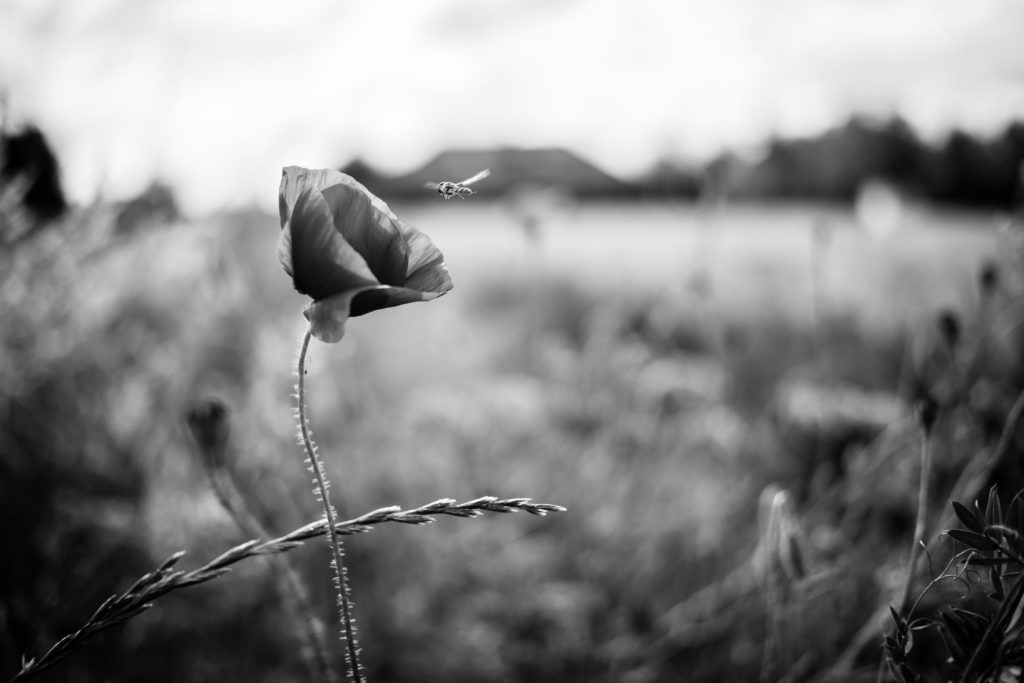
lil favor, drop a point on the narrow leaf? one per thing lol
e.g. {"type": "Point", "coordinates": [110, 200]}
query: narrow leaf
{"type": "Point", "coordinates": [972, 539]}
{"type": "Point", "coordinates": [967, 517]}
{"type": "Point", "coordinates": [901, 623]}
{"type": "Point", "coordinates": [993, 509]}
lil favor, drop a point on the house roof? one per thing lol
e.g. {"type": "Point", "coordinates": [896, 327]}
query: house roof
{"type": "Point", "coordinates": [510, 168]}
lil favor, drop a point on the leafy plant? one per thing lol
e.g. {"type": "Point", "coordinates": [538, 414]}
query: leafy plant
{"type": "Point", "coordinates": [985, 643]}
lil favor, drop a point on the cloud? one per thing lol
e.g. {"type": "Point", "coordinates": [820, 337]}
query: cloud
{"type": "Point", "coordinates": [216, 97]}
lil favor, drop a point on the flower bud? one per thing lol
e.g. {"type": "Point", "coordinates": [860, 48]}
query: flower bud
{"type": "Point", "coordinates": [927, 412]}
{"type": "Point", "coordinates": [988, 278]}
{"type": "Point", "coordinates": [209, 420]}
{"type": "Point", "coordinates": [949, 327]}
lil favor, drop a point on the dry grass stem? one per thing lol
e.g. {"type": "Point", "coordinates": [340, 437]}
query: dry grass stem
{"type": "Point", "coordinates": [140, 595]}
{"type": "Point", "coordinates": [920, 526]}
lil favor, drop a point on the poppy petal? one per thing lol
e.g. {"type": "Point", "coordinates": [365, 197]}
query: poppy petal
{"type": "Point", "coordinates": [426, 270]}
{"type": "Point", "coordinates": [314, 253]}
{"type": "Point", "coordinates": [295, 180]}
{"type": "Point", "coordinates": [371, 231]}
{"type": "Point", "coordinates": [369, 300]}
{"type": "Point", "coordinates": [327, 317]}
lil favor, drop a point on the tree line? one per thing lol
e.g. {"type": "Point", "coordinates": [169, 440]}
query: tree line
{"type": "Point", "coordinates": [962, 168]}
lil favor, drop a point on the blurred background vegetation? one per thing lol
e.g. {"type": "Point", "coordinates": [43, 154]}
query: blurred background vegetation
{"type": "Point", "coordinates": [838, 164]}
{"type": "Point", "coordinates": [678, 367]}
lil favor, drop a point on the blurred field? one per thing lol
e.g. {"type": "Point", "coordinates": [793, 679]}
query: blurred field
{"type": "Point", "coordinates": [634, 363]}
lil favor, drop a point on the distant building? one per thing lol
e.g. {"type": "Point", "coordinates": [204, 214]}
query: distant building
{"type": "Point", "coordinates": [511, 169]}
{"type": "Point", "coordinates": [155, 205]}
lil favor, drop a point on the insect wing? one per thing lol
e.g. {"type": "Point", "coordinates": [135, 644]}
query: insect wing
{"type": "Point", "coordinates": [479, 176]}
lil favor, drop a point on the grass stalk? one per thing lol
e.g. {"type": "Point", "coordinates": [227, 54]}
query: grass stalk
{"type": "Point", "coordinates": [917, 543]}
{"type": "Point", "coordinates": [922, 516]}
{"type": "Point", "coordinates": [165, 579]}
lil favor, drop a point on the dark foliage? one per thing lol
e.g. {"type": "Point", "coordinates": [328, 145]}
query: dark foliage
{"type": "Point", "coordinates": [986, 641]}
{"type": "Point", "coordinates": [834, 166]}
{"type": "Point", "coordinates": [27, 154]}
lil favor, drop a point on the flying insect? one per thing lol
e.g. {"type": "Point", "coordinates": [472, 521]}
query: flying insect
{"type": "Point", "coordinates": [461, 189]}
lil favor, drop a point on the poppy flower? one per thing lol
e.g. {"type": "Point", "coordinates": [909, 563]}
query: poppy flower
{"type": "Point", "coordinates": [347, 250]}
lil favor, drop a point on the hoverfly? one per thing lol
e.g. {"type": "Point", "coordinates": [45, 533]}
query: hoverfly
{"type": "Point", "coordinates": [460, 189]}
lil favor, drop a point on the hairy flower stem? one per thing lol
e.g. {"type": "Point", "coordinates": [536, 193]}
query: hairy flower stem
{"type": "Point", "coordinates": [337, 551]}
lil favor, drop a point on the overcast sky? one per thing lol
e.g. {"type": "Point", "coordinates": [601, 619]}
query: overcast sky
{"type": "Point", "coordinates": [214, 96]}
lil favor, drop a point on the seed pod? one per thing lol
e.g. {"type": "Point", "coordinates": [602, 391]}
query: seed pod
{"type": "Point", "coordinates": [949, 327]}
{"type": "Point", "coordinates": [988, 278]}
{"type": "Point", "coordinates": [927, 412]}
{"type": "Point", "coordinates": [209, 420]}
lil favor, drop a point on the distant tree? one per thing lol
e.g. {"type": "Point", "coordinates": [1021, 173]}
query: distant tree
{"type": "Point", "coordinates": [154, 205]}
{"type": "Point", "coordinates": [836, 164]}
{"type": "Point", "coordinates": [901, 154]}
{"type": "Point", "coordinates": [1014, 138]}
{"type": "Point", "coordinates": [670, 179]}
{"type": "Point", "coordinates": [966, 170]}
{"type": "Point", "coordinates": [955, 169]}
{"type": "Point", "coordinates": [27, 156]}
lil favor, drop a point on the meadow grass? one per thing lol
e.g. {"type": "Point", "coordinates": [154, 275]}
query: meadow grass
{"type": "Point", "coordinates": [582, 367]}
